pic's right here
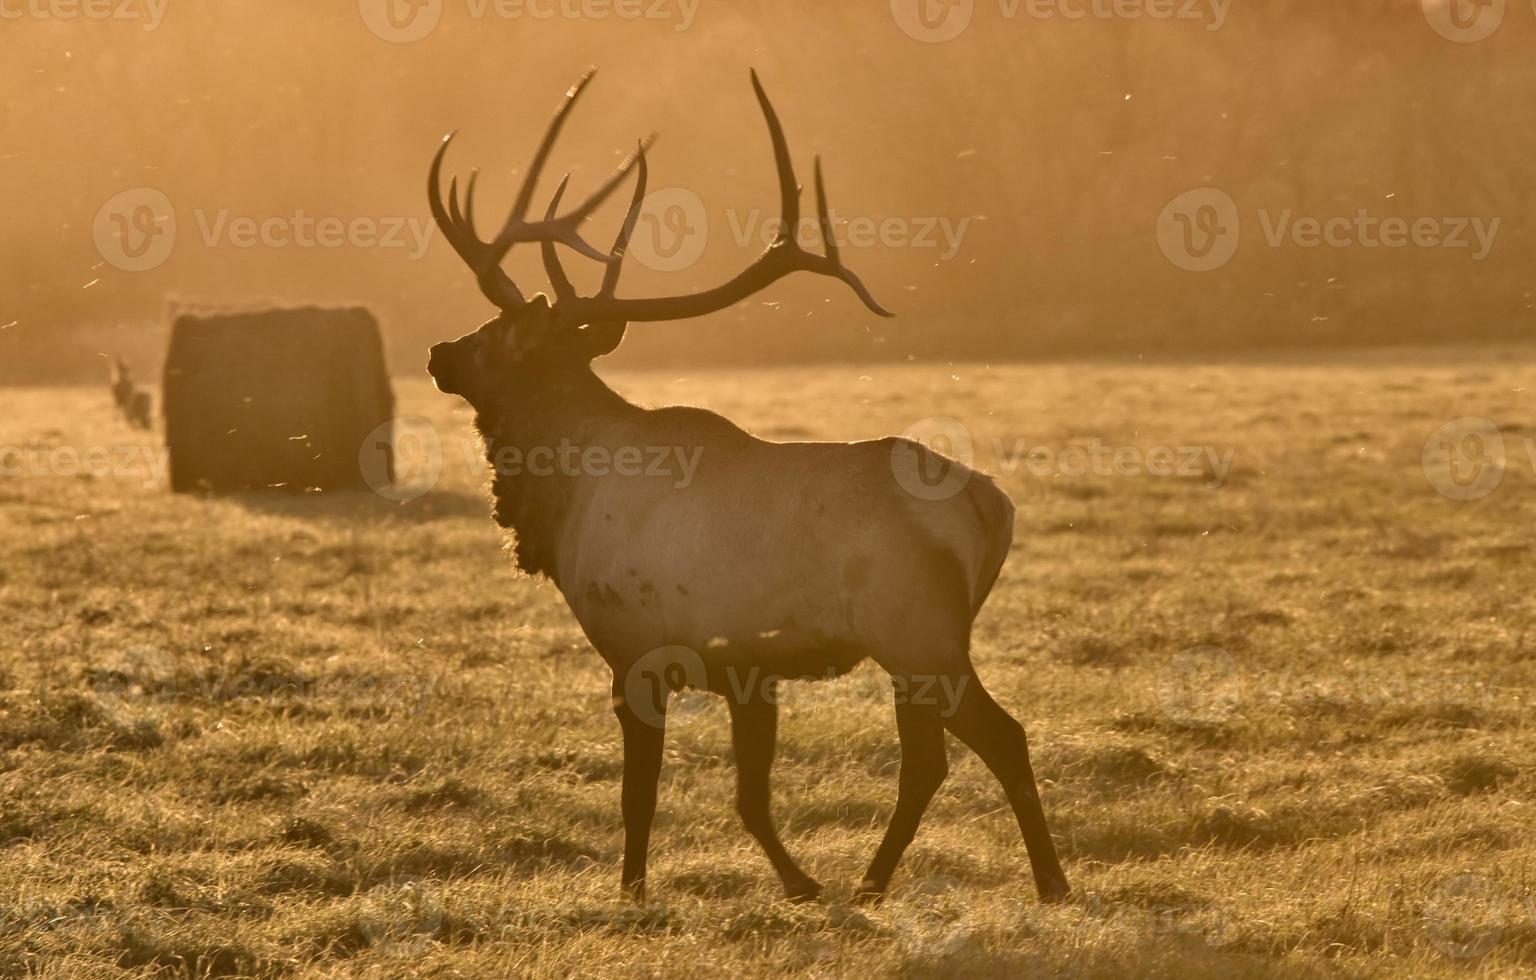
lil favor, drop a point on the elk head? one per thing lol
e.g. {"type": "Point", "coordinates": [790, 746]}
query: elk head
{"type": "Point", "coordinates": [532, 338]}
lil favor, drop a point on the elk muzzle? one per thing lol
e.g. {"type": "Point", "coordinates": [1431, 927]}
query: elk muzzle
{"type": "Point", "coordinates": [446, 364]}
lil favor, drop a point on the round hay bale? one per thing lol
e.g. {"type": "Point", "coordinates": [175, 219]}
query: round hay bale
{"type": "Point", "coordinates": [280, 398]}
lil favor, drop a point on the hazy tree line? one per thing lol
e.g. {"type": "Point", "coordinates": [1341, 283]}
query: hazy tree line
{"type": "Point", "coordinates": [1053, 143]}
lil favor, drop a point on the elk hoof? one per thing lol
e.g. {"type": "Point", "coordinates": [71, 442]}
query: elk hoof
{"type": "Point", "coordinates": [1053, 892]}
{"type": "Point", "coordinates": [869, 893]}
{"type": "Point", "coordinates": [803, 891]}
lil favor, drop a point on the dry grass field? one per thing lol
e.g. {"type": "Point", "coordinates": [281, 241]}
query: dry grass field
{"type": "Point", "coordinates": [1281, 711]}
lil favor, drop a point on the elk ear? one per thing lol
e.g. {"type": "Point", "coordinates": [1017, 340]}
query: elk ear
{"type": "Point", "coordinates": [598, 339]}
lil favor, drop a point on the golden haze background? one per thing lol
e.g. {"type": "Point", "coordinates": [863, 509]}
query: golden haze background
{"type": "Point", "coordinates": [1061, 141]}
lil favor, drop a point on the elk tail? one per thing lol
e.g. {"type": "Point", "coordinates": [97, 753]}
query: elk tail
{"type": "Point", "coordinates": [994, 517]}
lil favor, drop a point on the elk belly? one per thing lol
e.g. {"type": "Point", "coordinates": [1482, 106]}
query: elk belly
{"type": "Point", "coordinates": [682, 572]}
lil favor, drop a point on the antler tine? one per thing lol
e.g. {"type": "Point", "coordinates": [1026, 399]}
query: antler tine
{"type": "Point", "coordinates": [435, 198]}
{"type": "Point", "coordinates": [458, 228]}
{"type": "Point", "coordinates": [789, 187]}
{"type": "Point", "coordinates": [454, 214]}
{"type": "Point", "coordinates": [558, 280]}
{"type": "Point", "coordinates": [469, 204]}
{"type": "Point", "coordinates": [829, 243]}
{"type": "Point", "coordinates": [862, 292]}
{"type": "Point", "coordinates": [824, 220]}
{"type": "Point", "coordinates": [621, 242]}
{"type": "Point", "coordinates": [525, 193]}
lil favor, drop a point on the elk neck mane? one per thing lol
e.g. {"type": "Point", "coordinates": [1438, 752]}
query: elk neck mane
{"type": "Point", "coordinates": [563, 410]}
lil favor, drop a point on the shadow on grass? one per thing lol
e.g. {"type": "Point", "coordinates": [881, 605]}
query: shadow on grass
{"type": "Point", "coordinates": [958, 958]}
{"type": "Point", "coordinates": [362, 506]}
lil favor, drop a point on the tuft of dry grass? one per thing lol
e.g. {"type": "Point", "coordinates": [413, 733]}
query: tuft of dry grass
{"type": "Point", "coordinates": [1282, 723]}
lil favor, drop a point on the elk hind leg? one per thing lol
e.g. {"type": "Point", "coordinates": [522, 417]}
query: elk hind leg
{"type": "Point", "coordinates": [754, 731]}
{"type": "Point", "coordinates": [994, 735]}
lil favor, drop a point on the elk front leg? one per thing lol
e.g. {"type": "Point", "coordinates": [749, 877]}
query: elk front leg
{"type": "Point", "coordinates": [754, 731]}
{"type": "Point", "coordinates": [923, 768]}
{"type": "Point", "coordinates": [644, 737]}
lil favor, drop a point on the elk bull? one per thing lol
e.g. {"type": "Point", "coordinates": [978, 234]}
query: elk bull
{"type": "Point", "coordinates": [786, 559]}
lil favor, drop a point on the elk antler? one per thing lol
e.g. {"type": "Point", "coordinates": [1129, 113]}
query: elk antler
{"type": "Point", "coordinates": [781, 257]}
{"type": "Point", "coordinates": [484, 258]}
